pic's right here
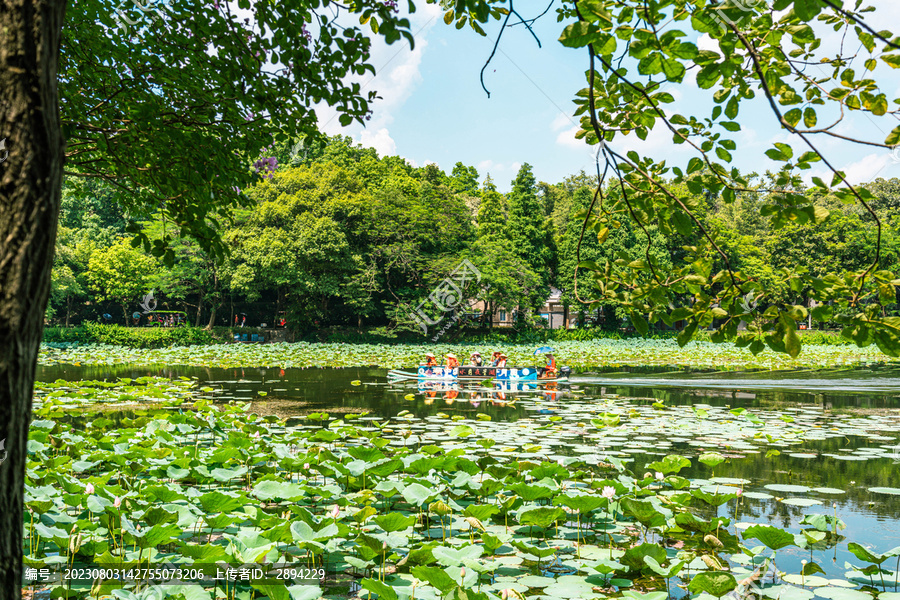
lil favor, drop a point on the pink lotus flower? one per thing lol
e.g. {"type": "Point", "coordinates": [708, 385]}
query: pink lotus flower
{"type": "Point", "coordinates": [118, 502]}
{"type": "Point", "coordinates": [89, 488]}
{"type": "Point", "coordinates": [608, 492]}
{"type": "Point", "coordinates": [462, 573]}
{"type": "Point", "coordinates": [659, 476]}
{"type": "Point", "coordinates": [739, 492]}
{"type": "Point", "coordinates": [504, 594]}
{"type": "Point", "coordinates": [335, 512]}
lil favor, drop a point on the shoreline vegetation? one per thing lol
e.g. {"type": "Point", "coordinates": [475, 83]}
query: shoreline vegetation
{"type": "Point", "coordinates": [580, 355]}
{"type": "Point", "coordinates": [161, 337]}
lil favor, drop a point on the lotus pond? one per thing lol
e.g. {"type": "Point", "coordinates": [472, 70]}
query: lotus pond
{"type": "Point", "coordinates": [631, 481]}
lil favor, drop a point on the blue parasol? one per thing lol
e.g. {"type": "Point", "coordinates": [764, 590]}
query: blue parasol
{"type": "Point", "coordinates": [543, 350]}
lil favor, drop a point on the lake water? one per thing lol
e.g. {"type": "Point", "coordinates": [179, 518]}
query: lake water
{"type": "Point", "coordinates": [850, 440]}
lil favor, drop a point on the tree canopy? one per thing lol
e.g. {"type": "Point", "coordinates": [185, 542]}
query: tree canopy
{"type": "Point", "coordinates": [635, 53]}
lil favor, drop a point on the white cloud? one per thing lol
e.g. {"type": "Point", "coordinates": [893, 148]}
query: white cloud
{"type": "Point", "coordinates": [868, 168]}
{"type": "Point", "coordinates": [567, 138]}
{"type": "Point", "coordinates": [705, 42]}
{"type": "Point", "coordinates": [397, 75]}
{"type": "Point", "coordinates": [561, 120]}
{"type": "Point", "coordinates": [659, 138]}
{"type": "Point", "coordinates": [380, 140]}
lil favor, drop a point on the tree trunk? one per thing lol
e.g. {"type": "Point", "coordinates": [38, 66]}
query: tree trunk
{"type": "Point", "coordinates": [30, 181]}
{"type": "Point", "coordinates": [278, 297]}
{"type": "Point", "coordinates": [199, 310]}
{"type": "Point", "coordinates": [212, 317]}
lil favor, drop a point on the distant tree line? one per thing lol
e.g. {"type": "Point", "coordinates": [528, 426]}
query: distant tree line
{"type": "Point", "coordinates": [338, 236]}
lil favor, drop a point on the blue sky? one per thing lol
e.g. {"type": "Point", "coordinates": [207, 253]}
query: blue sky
{"type": "Point", "coordinates": [433, 108]}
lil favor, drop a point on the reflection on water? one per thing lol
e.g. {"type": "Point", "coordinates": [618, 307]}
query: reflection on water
{"type": "Point", "coordinates": [848, 464]}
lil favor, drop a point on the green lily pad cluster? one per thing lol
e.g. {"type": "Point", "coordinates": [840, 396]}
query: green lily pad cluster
{"type": "Point", "coordinates": [121, 391]}
{"type": "Point", "coordinates": [551, 506]}
{"type": "Point", "coordinates": [577, 354]}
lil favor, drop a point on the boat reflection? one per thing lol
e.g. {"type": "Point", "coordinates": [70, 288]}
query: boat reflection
{"type": "Point", "coordinates": [496, 392]}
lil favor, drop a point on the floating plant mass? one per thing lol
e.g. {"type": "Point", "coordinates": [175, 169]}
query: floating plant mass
{"type": "Point", "coordinates": [592, 498]}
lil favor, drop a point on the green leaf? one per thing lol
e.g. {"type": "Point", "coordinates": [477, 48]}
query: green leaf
{"type": "Point", "coordinates": [383, 590]}
{"type": "Point", "coordinates": [807, 10]}
{"type": "Point", "coordinates": [683, 223]}
{"type": "Point", "coordinates": [644, 511]}
{"type": "Point", "coordinates": [893, 138]}
{"type": "Point", "coordinates": [708, 76]}
{"type": "Point", "coordinates": [863, 554]}
{"type": "Point", "coordinates": [583, 503]}
{"type": "Point", "coordinates": [809, 117]}
{"type": "Point", "coordinates": [711, 459]}
{"type": "Point", "coordinates": [582, 33]}
{"type": "Point", "coordinates": [542, 517]}
{"type": "Point", "coordinates": [634, 557]}
{"type": "Point", "coordinates": [672, 463]}
{"type": "Point", "coordinates": [786, 150]}
{"type": "Point", "coordinates": [436, 577]}
{"type": "Point", "coordinates": [394, 522]}
{"type": "Point", "coordinates": [454, 557]}
{"type": "Point", "coordinates": [773, 537]}
{"type": "Point", "coordinates": [640, 323]}
{"type": "Point", "coordinates": [716, 583]}
{"type": "Point", "coordinates": [462, 431]}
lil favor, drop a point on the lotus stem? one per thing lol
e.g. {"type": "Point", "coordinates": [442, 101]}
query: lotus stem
{"type": "Point", "coordinates": [896, 573]}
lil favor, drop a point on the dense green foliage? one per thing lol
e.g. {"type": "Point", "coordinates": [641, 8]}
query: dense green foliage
{"type": "Point", "coordinates": [340, 237]}
{"type": "Point", "coordinates": [184, 96]}
{"type": "Point", "coordinates": [133, 337]}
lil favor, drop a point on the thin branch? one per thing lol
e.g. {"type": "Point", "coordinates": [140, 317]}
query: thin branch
{"type": "Point", "coordinates": [861, 23]}
{"type": "Point", "coordinates": [527, 26]}
{"type": "Point", "coordinates": [494, 50]}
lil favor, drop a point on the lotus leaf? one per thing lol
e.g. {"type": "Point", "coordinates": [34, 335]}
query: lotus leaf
{"type": "Point", "coordinates": [773, 537]}
{"type": "Point", "coordinates": [715, 583]}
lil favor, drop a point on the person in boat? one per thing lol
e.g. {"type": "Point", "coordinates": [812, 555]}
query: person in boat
{"type": "Point", "coordinates": [501, 361]}
{"type": "Point", "coordinates": [430, 360]}
{"type": "Point", "coordinates": [495, 357]}
{"type": "Point", "coordinates": [549, 371]}
{"type": "Point", "coordinates": [452, 361]}
{"type": "Point", "coordinates": [476, 359]}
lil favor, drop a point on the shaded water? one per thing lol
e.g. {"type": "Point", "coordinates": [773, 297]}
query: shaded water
{"type": "Point", "coordinates": [850, 463]}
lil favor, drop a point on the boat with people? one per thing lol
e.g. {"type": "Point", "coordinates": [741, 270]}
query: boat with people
{"type": "Point", "coordinates": [497, 369]}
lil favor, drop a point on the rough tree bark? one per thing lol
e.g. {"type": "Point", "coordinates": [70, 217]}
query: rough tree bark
{"type": "Point", "coordinates": [30, 180]}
